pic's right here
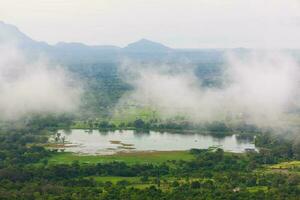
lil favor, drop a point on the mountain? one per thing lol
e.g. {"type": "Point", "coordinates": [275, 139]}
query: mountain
{"type": "Point", "coordinates": [10, 33]}
{"type": "Point", "coordinates": [98, 66]}
{"type": "Point", "coordinates": [145, 45]}
{"type": "Point", "coordinates": [13, 34]}
{"type": "Point", "coordinates": [75, 53]}
{"type": "Point", "coordinates": [62, 52]}
{"type": "Point", "coordinates": [81, 46]}
{"type": "Point", "coordinates": [79, 53]}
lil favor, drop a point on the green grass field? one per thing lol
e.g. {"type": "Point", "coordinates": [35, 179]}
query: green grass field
{"type": "Point", "coordinates": [129, 158]}
{"type": "Point", "coordinates": [286, 165]}
{"type": "Point", "coordinates": [291, 167]}
{"type": "Point", "coordinates": [132, 113]}
{"type": "Point", "coordinates": [123, 116]}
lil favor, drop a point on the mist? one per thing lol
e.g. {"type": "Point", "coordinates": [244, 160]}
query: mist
{"type": "Point", "coordinates": [34, 86]}
{"type": "Point", "coordinates": [258, 87]}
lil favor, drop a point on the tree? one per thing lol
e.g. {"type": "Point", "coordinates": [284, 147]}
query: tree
{"type": "Point", "coordinates": [195, 184]}
{"type": "Point", "coordinates": [139, 124]}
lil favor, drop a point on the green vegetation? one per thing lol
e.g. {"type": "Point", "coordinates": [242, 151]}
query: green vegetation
{"type": "Point", "coordinates": [166, 182]}
{"type": "Point", "coordinates": [116, 179]}
{"type": "Point", "coordinates": [171, 125]}
{"type": "Point", "coordinates": [32, 169]}
{"type": "Point", "coordinates": [128, 158]}
{"type": "Point", "coordinates": [104, 87]}
{"type": "Point", "coordinates": [29, 171]}
{"type": "Point", "coordinates": [130, 114]}
{"type": "Point", "coordinates": [286, 165]}
{"type": "Point", "coordinates": [256, 189]}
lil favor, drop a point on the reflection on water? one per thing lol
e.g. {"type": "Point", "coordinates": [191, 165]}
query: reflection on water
{"type": "Point", "coordinates": [96, 142]}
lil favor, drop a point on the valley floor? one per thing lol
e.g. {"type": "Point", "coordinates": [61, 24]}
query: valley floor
{"type": "Point", "coordinates": [154, 157]}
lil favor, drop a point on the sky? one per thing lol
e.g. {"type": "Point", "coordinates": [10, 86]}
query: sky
{"type": "Point", "coordinates": [176, 23]}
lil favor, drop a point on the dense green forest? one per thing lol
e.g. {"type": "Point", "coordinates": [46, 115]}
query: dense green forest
{"type": "Point", "coordinates": [104, 84]}
{"type": "Point", "coordinates": [25, 172]}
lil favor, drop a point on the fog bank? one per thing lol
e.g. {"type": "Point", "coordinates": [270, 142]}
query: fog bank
{"type": "Point", "coordinates": [28, 87]}
{"type": "Point", "coordinates": [258, 87]}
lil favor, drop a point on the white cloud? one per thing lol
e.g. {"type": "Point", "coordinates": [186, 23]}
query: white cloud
{"type": "Point", "coordinates": [34, 86]}
{"type": "Point", "coordinates": [259, 87]}
{"type": "Point", "coordinates": [190, 23]}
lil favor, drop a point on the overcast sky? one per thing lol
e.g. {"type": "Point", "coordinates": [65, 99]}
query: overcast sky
{"type": "Point", "coordinates": [176, 23]}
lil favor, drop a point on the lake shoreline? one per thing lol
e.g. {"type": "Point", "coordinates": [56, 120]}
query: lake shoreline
{"type": "Point", "coordinates": [183, 131]}
{"type": "Point", "coordinates": [113, 142]}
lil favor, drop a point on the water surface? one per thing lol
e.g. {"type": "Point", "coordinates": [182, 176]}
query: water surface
{"type": "Point", "coordinates": [96, 142]}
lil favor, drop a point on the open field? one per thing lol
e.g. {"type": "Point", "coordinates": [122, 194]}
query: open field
{"type": "Point", "coordinates": [166, 182]}
{"type": "Point", "coordinates": [291, 167]}
{"type": "Point", "coordinates": [129, 114]}
{"type": "Point", "coordinates": [286, 165]}
{"type": "Point", "coordinates": [155, 157]}
{"type": "Point", "coordinates": [124, 115]}
{"type": "Point", "coordinates": [257, 188]}
{"type": "Point", "coordinates": [136, 182]}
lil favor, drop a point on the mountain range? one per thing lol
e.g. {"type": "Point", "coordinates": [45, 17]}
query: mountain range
{"type": "Point", "coordinates": [143, 49]}
{"type": "Point", "coordinates": [98, 66]}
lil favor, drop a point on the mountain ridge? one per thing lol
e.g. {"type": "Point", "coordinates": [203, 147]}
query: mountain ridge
{"type": "Point", "coordinates": [12, 33]}
{"type": "Point", "coordinates": [146, 45]}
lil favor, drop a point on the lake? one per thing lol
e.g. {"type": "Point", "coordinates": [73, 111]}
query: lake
{"type": "Point", "coordinates": [105, 143]}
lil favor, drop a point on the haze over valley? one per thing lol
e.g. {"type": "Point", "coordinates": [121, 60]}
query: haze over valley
{"type": "Point", "coordinates": [162, 100]}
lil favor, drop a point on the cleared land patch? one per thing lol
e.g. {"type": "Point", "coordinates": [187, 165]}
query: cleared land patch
{"type": "Point", "coordinates": [154, 157]}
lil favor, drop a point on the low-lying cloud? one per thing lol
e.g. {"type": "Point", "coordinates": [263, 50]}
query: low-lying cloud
{"type": "Point", "coordinates": [258, 87]}
{"type": "Point", "coordinates": [28, 86]}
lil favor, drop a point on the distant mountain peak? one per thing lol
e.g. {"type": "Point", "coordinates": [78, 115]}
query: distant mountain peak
{"type": "Point", "coordinates": [9, 27]}
{"type": "Point", "coordinates": [144, 40]}
{"type": "Point", "coordinates": [145, 45]}
{"type": "Point", "coordinates": [10, 32]}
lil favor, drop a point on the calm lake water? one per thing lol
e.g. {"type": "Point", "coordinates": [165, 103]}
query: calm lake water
{"type": "Point", "coordinates": [96, 142]}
